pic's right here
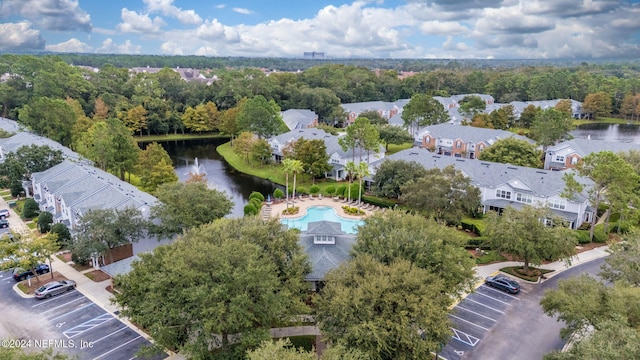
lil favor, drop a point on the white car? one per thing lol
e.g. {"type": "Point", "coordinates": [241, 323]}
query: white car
{"type": "Point", "coordinates": [4, 213]}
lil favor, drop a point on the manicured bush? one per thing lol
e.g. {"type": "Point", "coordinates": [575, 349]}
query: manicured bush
{"type": "Point", "coordinates": [250, 210]}
{"type": "Point", "coordinates": [45, 219]}
{"type": "Point", "coordinates": [599, 236]}
{"type": "Point", "coordinates": [256, 195]}
{"type": "Point", "coordinates": [475, 225]}
{"type": "Point", "coordinates": [582, 236]}
{"type": "Point", "coordinates": [340, 191]}
{"type": "Point", "coordinates": [301, 190]}
{"type": "Point", "coordinates": [257, 203]}
{"type": "Point", "coordinates": [314, 189]}
{"type": "Point", "coordinates": [278, 194]}
{"type": "Point", "coordinates": [30, 209]}
{"type": "Point", "coordinates": [330, 190]}
{"type": "Point", "coordinates": [353, 210]}
{"type": "Point", "coordinates": [477, 242]}
{"type": "Point", "coordinates": [382, 202]}
{"type": "Point", "coordinates": [291, 211]}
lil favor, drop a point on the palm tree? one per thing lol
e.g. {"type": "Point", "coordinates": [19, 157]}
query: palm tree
{"type": "Point", "coordinates": [351, 168]}
{"type": "Point", "coordinates": [362, 170]}
{"type": "Point", "coordinates": [286, 167]}
{"type": "Point", "coordinates": [296, 167]}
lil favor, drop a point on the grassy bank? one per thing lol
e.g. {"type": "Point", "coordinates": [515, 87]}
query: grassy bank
{"type": "Point", "coordinates": [604, 120]}
{"type": "Point", "coordinates": [174, 137]}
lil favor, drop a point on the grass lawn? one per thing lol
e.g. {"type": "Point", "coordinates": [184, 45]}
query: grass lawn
{"type": "Point", "coordinates": [489, 257]}
{"type": "Point", "coordinates": [601, 120]}
{"type": "Point", "coordinates": [533, 275]}
{"type": "Point", "coordinates": [396, 148]}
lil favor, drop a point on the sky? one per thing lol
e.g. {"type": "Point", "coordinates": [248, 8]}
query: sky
{"type": "Point", "coordinates": [423, 29]}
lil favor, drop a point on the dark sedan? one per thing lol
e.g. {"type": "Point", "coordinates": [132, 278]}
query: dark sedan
{"type": "Point", "coordinates": [20, 274]}
{"type": "Point", "coordinates": [503, 283]}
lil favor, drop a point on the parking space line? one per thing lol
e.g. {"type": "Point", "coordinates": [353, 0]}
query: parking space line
{"type": "Point", "coordinates": [57, 298]}
{"type": "Point", "coordinates": [501, 292]}
{"type": "Point", "coordinates": [473, 312]}
{"type": "Point", "coordinates": [88, 325]}
{"type": "Point", "coordinates": [71, 312]}
{"type": "Point", "coordinates": [113, 333]}
{"type": "Point", "coordinates": [487, 306]}
{"type": "Point", "coordinates": [470, 340]}
{"type": "Point", "coordinates": [117, 347]}
{"type": "Point", "coordinates": [467, 321]}
{"type": "Point", "coordinates": [492, 298]}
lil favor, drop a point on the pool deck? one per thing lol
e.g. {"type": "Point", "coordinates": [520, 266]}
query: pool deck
{"type": "Point", "coordinates": [337, 204]}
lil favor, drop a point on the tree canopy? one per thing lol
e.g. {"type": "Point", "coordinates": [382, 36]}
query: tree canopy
{"type": "Point", "coordinates": [394, 235]}
{"type": "Point", "coordinates": [261, 117]}
{"type": "Point", "coordinates": [423, 110]}
{"type": "Point", "coordinates": [392, 174]}
{"type": "Point", "coordinates": [405, 315]}
{"type": "Point", "coordinates": [234, 279]}
{"type": "Point", "coordinates": [185, 206]}
{"type": "Point", "coordinates": [525, 234]}
{"type": "Point", "coordinates": [513, 151]}
{"type": "Point", "coordinates": [445, 195]}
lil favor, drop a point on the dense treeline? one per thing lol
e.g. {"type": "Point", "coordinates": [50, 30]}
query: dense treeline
{"type": "Point", "coordinates": [69, 98]}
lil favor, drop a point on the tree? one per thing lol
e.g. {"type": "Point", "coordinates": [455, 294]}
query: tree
{"type": "Point", "coordinates": [621, 266]}
{"type": "Point", "coordinates": [631, 106]}
{"type": "Point", "coordinates": [261, 117]}
{"type": "Point", "coordinates": [610, 175]}
{"type": "Point", "coordinates": [597, 104]}
{"type": "Point", "coordinates": [528, 115]}
{"type": "Point", "coordinates": [313, 155]}
{"type": "Point", "coordinates": [565, 107]}
{"type": "Point", "coordinates": [283, 349]}
{"type": "Point", "coordinates": [296, 168]}
{"type": "Point", "coordinates": [228, 301]}
{"type": "Point", "coordinates": [186, 206]}
{"type": "Point", "coordinates": [63, 235]}
{"type": "Point", "coordinates": [392, 174]}
{"type": "Point", "coordinates": [439, 249]}
{"type": "Point", "coordinates": [445, 195]}
{"type": "Point", "coordinates": [471, 105]}
{"type": "Point", "coordinates": [395, 135]}
{"type": "Point", "coordinates": [204, 117]}
{"type": "Point", "coordinates": [102, 230]}
{"type": "Point", "coordinates": [30, 209]}
{"type": "Point", "coordinates": [513, 151]}
{"type": "Point", "coordinates": [524, 233]}
{"type": "Point", "coordinates": [374, 117]}
{"type": "Point", "coordinates": [287, 167]}
{"type": "Point", "coordinates": [397, 320]}
{"type": "Point", "coordinates": [261, 151]}
{"type": "Point", "coordinates": [17, 353]}
{"type": "Point", "coordinates": [549, 126]}
{"type": "Point", "coordinates": [244, 144]}
{"type": "Point", "coordinates": [19, 165]}
{"type": "Point", "coordinates": [155, 167]}
{"type": "Point", "coordinates": [136, 119]}
{"type": "Point", "coordinates": [423, 110]}
{"type": "Point", "coordinates": [362, 170]}
{"type": "Point", "coordinates": [362, 135]}
{"type": "Point", "coordinates": [45, 219]}
{"type": "Point", "coordinates": [51, 118]}
{"type": "Point", "coordinates": [351, 168]}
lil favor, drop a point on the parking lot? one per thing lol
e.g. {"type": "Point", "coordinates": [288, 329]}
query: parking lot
{"type": "Point", "coordinates": [69, 323]}
{"type": "Point", "coordinates": [87, 329]}
{"type": "Point", "coordinates": [474, 317]}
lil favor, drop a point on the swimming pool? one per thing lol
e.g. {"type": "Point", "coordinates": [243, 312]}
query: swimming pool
{"type": "Point", "coordinates": [320, 213]}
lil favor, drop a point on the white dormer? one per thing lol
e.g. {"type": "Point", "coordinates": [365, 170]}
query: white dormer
{"type": "Point", "coordinates": [324, 239]}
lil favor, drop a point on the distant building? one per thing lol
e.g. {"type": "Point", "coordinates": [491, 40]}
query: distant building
{"type": "Point", "coordinates": [314, 55]}
{"type": "Point", "coordinates": [567, 154]}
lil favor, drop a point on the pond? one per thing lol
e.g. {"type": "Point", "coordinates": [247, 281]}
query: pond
{"type": "Point", "coordinates": [629, 133]}
{"type": "Point", "coordinates": [220, 175]}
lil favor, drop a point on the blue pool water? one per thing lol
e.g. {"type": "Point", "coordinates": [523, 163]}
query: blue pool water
{"type": "Point", "coordinates": [320, 213]}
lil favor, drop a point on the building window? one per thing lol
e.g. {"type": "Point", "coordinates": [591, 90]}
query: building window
{"type": "Point", "coordinates": [574, 160]}
{"type": "Point", "coordinates": [324, 239]}
{"type": "Point", "coordinates": [525, 198]}
{"type": "Point", "coordinates": [557, 204]}
{"type": "Point", "coordinates": [459, 144]}
{"type": "Point", "coordinates": [480, 147]}
{"type": "Point", "coordinates": [502, 194]}
{"type": "Point", "coordinates": [559, 158]}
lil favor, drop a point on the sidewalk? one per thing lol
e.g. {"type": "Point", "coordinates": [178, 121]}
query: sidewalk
{"type": "Point", "coordinates": [557, 266]}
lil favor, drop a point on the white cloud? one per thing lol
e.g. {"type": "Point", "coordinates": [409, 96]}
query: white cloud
{"type": "Point", "coordinates": [58, 15]}
{"type": "Point", "coordinates": [166, 8]}
{"type": "Point", "coordinates": [109, 47]}
{"type": "Point", "coordinates": [171, 48]}
{"type": "Point", "coordinates": [139, 23]}
{"type": "Point", "coordinates": [72, 45]}
{"type": "Point", "coordinates": [443, 28]}
{"type": "Point", "coordinates": [242, 11]}
{"type": "Point", "coordinates": [214, 31]}
{"type": "Point", "coordinates": [220, 6]}
{"type": "Point", "coordinates": [20, 36]}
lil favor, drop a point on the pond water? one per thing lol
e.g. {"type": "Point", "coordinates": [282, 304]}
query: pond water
{"type": "Point", "coordinates": [628, 133]}
{"type": "Point", "coordinates": [220, 175]}
{"type": "Point", "coordinates": [320, 213]}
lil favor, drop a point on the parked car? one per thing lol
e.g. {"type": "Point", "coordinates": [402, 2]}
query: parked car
{"type": "Point", "coordinates": [4, 213]}
{"type": "Point", "coordinates": [54, 288]}
{"type": "Point", "coordinates": [20, 274]}
{"type": "Point", "coordinates": [4, 223]}
{"type": "Point", "coordinates": [503, 283]}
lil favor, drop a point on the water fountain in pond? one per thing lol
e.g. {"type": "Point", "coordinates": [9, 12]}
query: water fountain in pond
{"type": "Point", "coordinates": [197, 171]}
